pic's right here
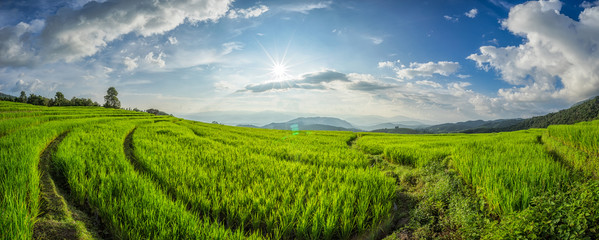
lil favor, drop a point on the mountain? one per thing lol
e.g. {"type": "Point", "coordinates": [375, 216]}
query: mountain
{"type": "Point", "coordinates": [314, 123]}
{"type": "Point", "coordinates": [582, 111]}
{"type": "Point", "coordinates": [398, 130]}
{"type": "Point", "coordinates": [390, 125]}
{"type": "Point", "coordinates": [234, 118]}
{"type": "Point", "coordinates": [585, 111]}
{"type": "Point", "coordinates": [470, 125]}
{"type": "Point", "coordinates": [6, 96]}
{"type": "Point", "coordinates": [371, 120]}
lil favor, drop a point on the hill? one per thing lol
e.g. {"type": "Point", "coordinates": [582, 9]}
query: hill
{"type": "Point", "coordinates": [393, 125]}
{"type": "Point", "coordinates": [583, 111]}
{"type": "Point", "coordinates": [314, 123]}
{"type": "Point", "coordinates": [6, 96]}
{"type": "Point", "coordinates": [470, 125]}
{"type": "Point", "coordinates": [398, 130]}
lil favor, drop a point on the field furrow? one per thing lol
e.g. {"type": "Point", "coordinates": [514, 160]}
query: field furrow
{"type": "Point", "coordinates": [59, 218]}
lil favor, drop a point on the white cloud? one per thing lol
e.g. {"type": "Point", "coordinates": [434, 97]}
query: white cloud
{"type": "Point", "coordinates": [313, 80]}
{"type": "Point", "coordinates": [450, 18]}
{"type": "Point", "coordinates": [501, 3]}
{"type": "Point", "coordinates": [558, 60]}
{"type": "Point", "coordinates": [472, 13]}
{"type": "Point", "coordinates": [247, 13]}
{"type": "Point", "coordinates": [130, 63]}
{"type": "Point", "coordinates": [443, 68]}
{"type": "Point", "coordinates": [27, 86]}
{"type": "Point", "coordinates": [72, 34]}
{"type": "Point", "coordinates": [586, 4]}
{"type": "Point", "coordinates": [16, 42]}
{"type": "Point", "coordinates": [387, 64]}
{"type": "Point", "coordinates": [155, 61]}
{"type": "Point", "coordinates": [429, 83]}
{"type": "Point", "coordinates": [305, 8]}
{"type": "Point", "coordinates": [376, 40]}
{"type": "Point", "coordinates": [231, 46]}
{"type": "Point", "coordinates": [172, 40]}
{"type": "Point", "coordinates": [107, 70]}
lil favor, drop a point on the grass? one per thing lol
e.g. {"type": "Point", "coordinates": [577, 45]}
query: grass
{"type": "Point", "coordinates": [148, 177]}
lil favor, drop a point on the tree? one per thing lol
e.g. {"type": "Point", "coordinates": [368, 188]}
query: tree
{"type": "Point", "coordinates": [59, 99]}
{"type": "Point", "coordinates": [111, 100]}
{"type": "Point", "coordinates": [23, 97]}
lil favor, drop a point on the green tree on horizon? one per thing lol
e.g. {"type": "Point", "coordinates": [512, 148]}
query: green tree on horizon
{"type": "Point", "coordinates": [111, 100]}
{"type": "Point", "coordinates": [60, 100]}
{"type": "Point", "coordinates": [23, 97]}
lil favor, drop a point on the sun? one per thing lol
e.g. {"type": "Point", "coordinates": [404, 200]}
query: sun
{"type": "Point", "coordinates": [278, 67]}
{"type": "Point", "coordinates": [279, 71]}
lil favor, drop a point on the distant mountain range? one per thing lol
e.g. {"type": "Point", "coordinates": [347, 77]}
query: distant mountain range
{"type": "Point", "coordinates": [6, 96]}
{"type": "Point", "coordinates": [336, 124]}
{"type": "Point", "coordinates": [583, 111]}
{"type": "Point", "coordinates": [470, 125]}
{"type": "Point", "coordinates": [312, 123]}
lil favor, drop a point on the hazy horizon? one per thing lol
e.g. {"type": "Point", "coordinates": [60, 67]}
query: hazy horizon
{"type": "Point", "coordinates": [435, 61]}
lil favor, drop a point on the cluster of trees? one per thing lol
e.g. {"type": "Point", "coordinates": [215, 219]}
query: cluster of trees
{"type": "Point", "coordinates": [59, 100]}
{"type": "Point", "coordinates": [111, 101]}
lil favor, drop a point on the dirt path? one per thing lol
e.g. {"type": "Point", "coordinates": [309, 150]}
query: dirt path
{"type": "Point", "coordinates": [59, 218]}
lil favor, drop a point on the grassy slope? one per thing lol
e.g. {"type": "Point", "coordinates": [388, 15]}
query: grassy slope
{"type": "Point", "coordinates": [534, 184]}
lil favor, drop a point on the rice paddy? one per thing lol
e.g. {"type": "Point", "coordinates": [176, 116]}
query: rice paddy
{"type": "Point", "coordinates": [160, 177]}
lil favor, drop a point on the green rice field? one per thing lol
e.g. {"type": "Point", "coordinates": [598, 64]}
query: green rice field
{"type": "Point", "coordinates": [97, 173]}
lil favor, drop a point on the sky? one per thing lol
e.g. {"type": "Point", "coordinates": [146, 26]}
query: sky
{"type": "Point", "coordinates": [440, 61]}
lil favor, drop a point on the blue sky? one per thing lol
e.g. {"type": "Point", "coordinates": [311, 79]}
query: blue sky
{"type": "Point", "coordinates": [440, 61]}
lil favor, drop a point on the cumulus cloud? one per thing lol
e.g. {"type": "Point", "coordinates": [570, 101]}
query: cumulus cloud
{"type": "Point", "coordinates": [366, 83]}
{"type": "Point", "coordinates": [472, 13]}
{"type": "Point", "coordinates": [429, 83]}
{"type": "Point", "coordinates": [248, 12]}
{"type": "Point", "coordinates": [558, 60]}
{"type": "Point", "coordinates": [130, 63]}
{"type": "Point", "coordinates": [155, 61]}
{"type": "Point", "coordinates": [16, 43]}
{"type": "Point", "coordinates": [27, 86]}
{"type": "Point", "coordinates": [586, 4]}
{"type": "Point", "coordinates": [387, 64]}
{"type": "Point", "coordinates": [305, 8]}
{"type": "Point", "coordinates": [443, 68]}
{"type": "Point", "coordinates": [172, 40]}
{"type": "Point", "coordinates": [306, 81]}
{"type": "Point", "coordinates": [72, 34]}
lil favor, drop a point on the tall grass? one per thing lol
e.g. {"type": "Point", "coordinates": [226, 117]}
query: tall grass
{"type": "Point", "coordinates": [509, 169]}
{"type": "Point", "coordinates": [96, 169]}
{"type": "Point", "coordinates": [243, 189]}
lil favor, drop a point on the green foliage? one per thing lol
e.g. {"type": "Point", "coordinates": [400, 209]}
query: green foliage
{"type": "Point", "coordinates": [111, 98]}
{"type": "Point", "coordinates": [585, 111]}
{"type": "Point", "coordinates": [573, 214]}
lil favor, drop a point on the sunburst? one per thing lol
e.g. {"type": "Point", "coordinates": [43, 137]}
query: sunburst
{"type": "Point", "coordinates": [279, 67]}
{"type": "Point", "coordinates": [279, 71]}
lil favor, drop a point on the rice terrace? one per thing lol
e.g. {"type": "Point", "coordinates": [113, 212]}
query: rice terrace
{"type": "Point", "coordinates": [312, 119]}
{"type": "Point", "coordinates": [94, 173]}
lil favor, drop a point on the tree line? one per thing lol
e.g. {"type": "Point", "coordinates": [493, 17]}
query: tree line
{"type": "Point", "coordinates": [111, 101]}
